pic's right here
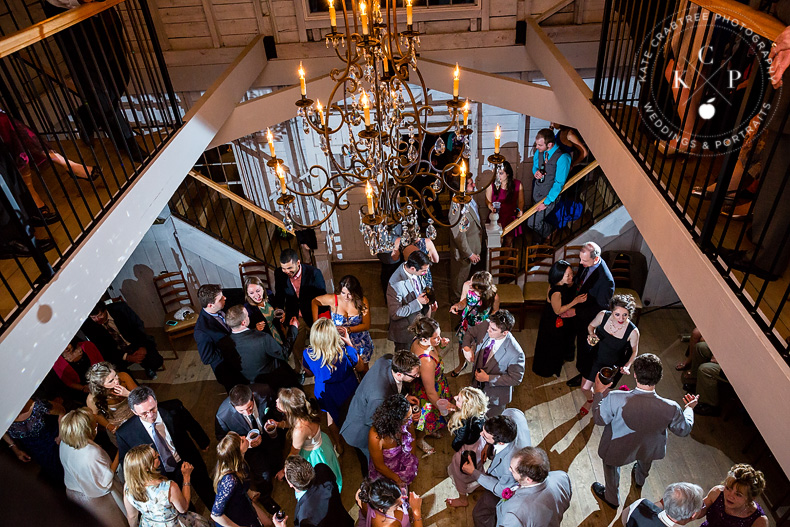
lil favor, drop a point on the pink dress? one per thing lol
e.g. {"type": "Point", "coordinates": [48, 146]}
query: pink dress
{"type": "Point", "coordinates": [508, 204]}
{"type": "Point", "coordinates": [366, 520]}
{"type": "Point", "coordinates": [399, 459]}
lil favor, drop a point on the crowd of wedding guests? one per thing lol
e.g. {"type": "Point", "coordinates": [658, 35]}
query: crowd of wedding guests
{"type": "Point", "coordinates": [143, 466]}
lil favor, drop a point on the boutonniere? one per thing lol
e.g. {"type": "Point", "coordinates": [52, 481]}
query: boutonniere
{"type": "Point", "coordinates": [507, 493]}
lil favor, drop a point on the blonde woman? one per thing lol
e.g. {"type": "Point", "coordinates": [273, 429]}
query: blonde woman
{"type": "Point", "coordinates": [153, 499]}
{"type": "Point", "coordinates": [233, 506]}
{"type": "Point", "coordinates": [332, 358]}
{"type": "Point", "coordinates": [466, 425]}
{"type": "Point", "coordinates": [88, 474]}
{"type": "Point", "coordinates": [109, 390]}
{"type": "Point", "coordinates": [307, 439]}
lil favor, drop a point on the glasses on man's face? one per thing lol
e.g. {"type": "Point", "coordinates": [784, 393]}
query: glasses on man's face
{"type": "Point", "coordinates": [410, 376]}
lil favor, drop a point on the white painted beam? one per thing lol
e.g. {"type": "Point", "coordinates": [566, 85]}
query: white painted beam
{"type": "Point", "coordinates": [755, 369]}
{"type": "Point", "coordinates": [29, 348]}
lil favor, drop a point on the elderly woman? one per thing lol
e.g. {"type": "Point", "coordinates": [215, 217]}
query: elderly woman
{"type": "Point", "coordinates": [109, 390]}
{"type": "Point", "coordinates": [390, 442]}
{"type": "Point", "coordinates": [351, 310]}
{"type": "Point", "coordinates": [152, 498]}
{"type": "Point", "coordinates": [466, 425]}
{"type": "Point", "coordinates": [614, 340]}
{"type": "Point", "coordinates": [332, 358]}
{"type": "Point", "coordinates": [732, 503]}
{"type": "Point", "coordinates": [88, 474]}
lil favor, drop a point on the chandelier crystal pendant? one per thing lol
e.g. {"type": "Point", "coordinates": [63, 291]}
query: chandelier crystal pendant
{"type": "Point", "coordinates": [378, 112]}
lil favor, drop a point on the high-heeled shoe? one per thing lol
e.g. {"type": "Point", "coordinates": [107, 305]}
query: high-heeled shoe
{"type": "Point", "coordinates": [93, 175]}
{"type": "Point", "coordinates": [456, 373]}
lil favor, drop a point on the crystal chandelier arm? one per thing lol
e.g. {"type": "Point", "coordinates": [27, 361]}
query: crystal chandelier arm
{"type": "Point", "coordinates": [420, 202]}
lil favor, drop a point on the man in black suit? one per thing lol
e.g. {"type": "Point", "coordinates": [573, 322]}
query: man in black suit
{"type": "Point", "coordinates": [319, 505]}
{"type": "Point", "coordinates": [212, 335]}
{"type": "Point", "coordinates": [250, 407]}
{"type": "Point", "coordinates": [388, 376]}
{"type": "Point", "coordinates": [295, 286]}
{"type": "Point", "coordinates": [121, 338]}
{"type": "Point", "coordinates": [594, 280]}
{"type": "Point", "coordinates": [263, 360]}
{"type": "Point", "coordinates": [171, 430]}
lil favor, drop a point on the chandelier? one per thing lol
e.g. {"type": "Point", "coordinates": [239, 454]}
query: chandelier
{"type": "Point", "coordinates": [387, 144]}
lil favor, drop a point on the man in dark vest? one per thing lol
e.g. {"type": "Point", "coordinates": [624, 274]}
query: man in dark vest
{"type": "Point", "coordinates": [550, 168]}
{"type": "Point", "coordinates": [680, 502]}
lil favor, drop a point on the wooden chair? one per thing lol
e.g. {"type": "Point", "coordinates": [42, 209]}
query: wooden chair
{"type": "Point", "coordinates": [173, 294]}
{"type": "Point", "coordinates": [540, 258]}
{"type": "Point", "coordinates": [621, 272]}
{"type": "Point", "coordinates": [571, 255]}
{"type": "Point", "coordinates": [503, 265]}
{"type": "Point", "coordinates": [260, 270]}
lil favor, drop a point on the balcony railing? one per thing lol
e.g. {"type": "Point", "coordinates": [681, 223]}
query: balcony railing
{"type": "Point", "coordinates": [687, 87]}
{"type": "Point", "coordinates": [85, 100]}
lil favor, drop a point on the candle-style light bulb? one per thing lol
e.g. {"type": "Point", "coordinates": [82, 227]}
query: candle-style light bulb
{"type": "Point", "coordinates": [270, 140]}
{"type": "Point", "coordinates": [363, 14]}
{"type": "Point", "coordinates": [369, 194]}
{"type": "Point", "coordinates": [332, 14]}
{"type": "Point", "coordinates": [320, 112]}
{"type": "Point", "coordinates": [497, 135]}
{"type": "Point", "coordinates": [466, 113]}
{"type": "Point", "coordinates": [462, 186]}
{"type": "Point", "coordinates": [456, 79]}
{"type": "Point", "coordinates": [281, 175]}
{"type": "Point", "coordinates": [365, 107]}
{"type": "Point", "coordinates": [409, 15]}
{"type": "Point", "coordinates": [301, 80]}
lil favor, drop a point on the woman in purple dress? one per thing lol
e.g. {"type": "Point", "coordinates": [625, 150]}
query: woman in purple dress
{"type": "Point", "coordinates": [506, 191]}
{"type": "Point", "coordinates": [381, 504]}
{"type": "Point", "coordinates": [732, 504]}
{"type": "Point", "coordinates": [390, 442]}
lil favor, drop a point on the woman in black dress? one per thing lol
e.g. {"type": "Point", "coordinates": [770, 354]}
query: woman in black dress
{"type": "Point", "coordinates": [556, 334]}
{"type": "Point", "coordinates": [614, 340]}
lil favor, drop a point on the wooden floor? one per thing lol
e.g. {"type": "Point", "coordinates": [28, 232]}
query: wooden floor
{"type": "Point", "coordinates": [551, 408]}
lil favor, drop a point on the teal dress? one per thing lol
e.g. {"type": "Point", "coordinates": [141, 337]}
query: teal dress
{"type": "Point", "coordinates": [319, 449]}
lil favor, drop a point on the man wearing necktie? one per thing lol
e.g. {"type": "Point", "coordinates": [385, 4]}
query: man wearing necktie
{"type": "Point", "coordinates": [173, 432]}
{"type": "Point", "coordinates": [467, 245]}
{"type": "Point", "coordinates": [250, 407]}
{"type": "Point", "coordinates": [406, 298]}
{"type": "Point", "coordinates": [212, 335]}
{"type": "Point", "coordinates": [595, 280]}
{"type": "Point", "coordinates": [550, 167]}
{"type": "Point", "coordinates": [498, 359]}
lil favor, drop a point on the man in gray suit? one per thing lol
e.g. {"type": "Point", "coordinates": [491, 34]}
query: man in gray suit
{"type": "Point", "coordinates": [541, 497]}
{"type": "Point", "coordinates": [466, 245]}
{"type": "Point", "coordinates": [636, 426]}
{"type": "Point", "coordinates": [498, 359]}
{"type": "Point", "coordinates": [406, 298]}
{"type": "Point", "coordinates": [505, 435]}
{"type": "Point", "coordinates": [387, 377]}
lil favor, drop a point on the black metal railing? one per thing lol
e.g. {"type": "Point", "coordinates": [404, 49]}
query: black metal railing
{"type": "Point", "coordinates": [233, 223]}
{"type": "Point", "coordinates": [81, 110]}
{"type": "Point", "coordinates": [689, 92]}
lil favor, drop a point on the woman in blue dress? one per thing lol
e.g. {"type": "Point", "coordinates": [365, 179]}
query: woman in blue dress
{"type": "Point", "coordinates": [349, 309]}
{"type": "Point", "coordinates": [332, 358]}
{"type": "Point", "coordinates": [233, 505]}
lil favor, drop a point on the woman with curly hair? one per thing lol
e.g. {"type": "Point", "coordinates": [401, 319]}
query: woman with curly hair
{"type": "Point", "coordinates": [466, 426]}
{"type": "Point", "coordinates": [332, 358]}
{"type": "Point", "coordinates": [390, 442]}
{"type": "Point", "coordinates": [479, 300]}
{"type": "Point", "coordinates": [732, 504]}
{"type": "Point", "coordinates": [307, 440]}
{"type": "Point", "coordinates": [107, 399]}
{"type": "Point", "coordinates": [431, 387]}
{"type": "Point", "coordinates": [156, 500]}
{"type": "Point", "coordinates": [259, 309]}
{"type": "Point", "coordinates": [614, 342]}
{"type": "Point", "coordinates": [349, 309]}
{"type": "Point", "coordinates": [233, 506]}
{"type": "Point", "coordinates": [381, 504]}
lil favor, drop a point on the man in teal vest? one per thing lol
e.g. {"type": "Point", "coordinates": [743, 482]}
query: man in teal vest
{"type": "Point", "coordinates": [550, 169]}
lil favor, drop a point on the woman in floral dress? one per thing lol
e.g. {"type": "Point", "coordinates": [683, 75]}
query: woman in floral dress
{"type": "Point", "coordinates": [479, 300]}
{"type": "Point", "coordinates": [390, 442]}
{"type": "Point", "coordinates": [349, 309]}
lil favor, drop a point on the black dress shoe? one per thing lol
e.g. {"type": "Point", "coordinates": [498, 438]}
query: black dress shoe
{"type": "Point", "coordinates": [689, 387]}
{"type": "Point", "coordinates": [600, 491]}
{"type": "Point", "coordinates": [44, 217]}
{"type": "Point", "coordinates": [151, 374]}
{"type": "Point", "coordinates": [15, 248]}
{"type": "Point", "coordinates": [707, 409]}
{"type": "Point", "coordinates": [633, 478]}
{"type": "Point", "coordinates": [742, 261]}
{"type": "Point", "coordinates": [575, 381]}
